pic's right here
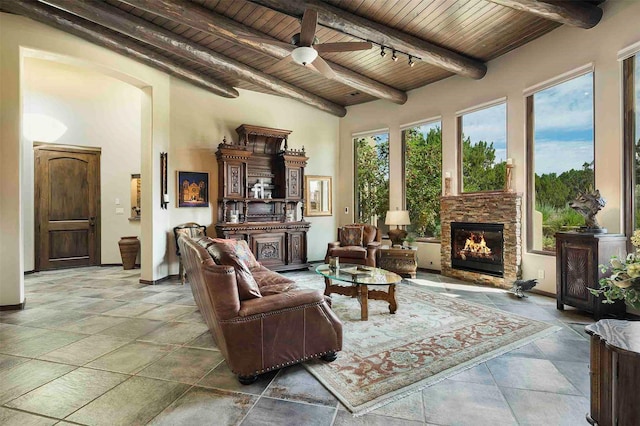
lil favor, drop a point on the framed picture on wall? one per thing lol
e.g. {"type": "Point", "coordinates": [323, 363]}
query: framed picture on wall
{"type": "Point", "coordinates": [193, 189]}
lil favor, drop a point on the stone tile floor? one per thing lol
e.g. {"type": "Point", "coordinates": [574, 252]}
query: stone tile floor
{"type": "Point", "coordinates": [96, 347]}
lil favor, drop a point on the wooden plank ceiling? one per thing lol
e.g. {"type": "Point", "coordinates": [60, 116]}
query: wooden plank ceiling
{"type": "Point", "coordinates": [477, 29]}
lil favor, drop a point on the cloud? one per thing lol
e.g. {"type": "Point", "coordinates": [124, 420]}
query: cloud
{"type": "Point", "coordinates": [566, 106]}
{"type": "Point", "coordinates": [557, 156]}
{"type": "Point", "coordinates": [490, 125]}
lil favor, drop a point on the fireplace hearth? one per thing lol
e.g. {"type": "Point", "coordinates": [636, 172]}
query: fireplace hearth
{"type": "Point", "coordinates": [478, 247]}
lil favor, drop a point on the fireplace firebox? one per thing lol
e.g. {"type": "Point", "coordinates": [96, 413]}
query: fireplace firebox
{"type": "Point", "coordinates": [478, 247]}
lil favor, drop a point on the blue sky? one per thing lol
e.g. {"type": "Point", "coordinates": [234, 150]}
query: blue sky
{"type": "Point", "coordinates": [490, 125]}
{"type": "Point", "coordinates": [563, 132]}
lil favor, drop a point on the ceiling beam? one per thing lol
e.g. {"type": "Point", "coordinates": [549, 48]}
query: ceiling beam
{"type": "Point", "coordinates": [362, 28]}
{"type": "Point", "coordinates": [574, 13]}
{"type": "Point", "coordinates": [203, 19]}
{"type": "Point", "coordinates": [122, 45]}
{"type": "Point", "coordinates": [132, 26]}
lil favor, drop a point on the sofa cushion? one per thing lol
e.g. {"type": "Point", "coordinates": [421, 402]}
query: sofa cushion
{"type": "Point", "coordinates": [351, 235]}
{"type": "Point", "coordinates": [268, 290]}
{"type": "Point", "coordinates": [233, 253]}
{"type": "Point", "coordinates": [266, 277]}
{"type": "Point", "coordinates": [353, 252]}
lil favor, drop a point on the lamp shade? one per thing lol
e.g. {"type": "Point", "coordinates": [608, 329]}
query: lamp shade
{"type": "Point", "coordinates": [304, 55]}
{"type": "Point", "coordinates": [397, 217]}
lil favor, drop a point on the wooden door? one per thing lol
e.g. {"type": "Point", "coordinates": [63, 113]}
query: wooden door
{"type": "Point", "coordinates": [67, 207]}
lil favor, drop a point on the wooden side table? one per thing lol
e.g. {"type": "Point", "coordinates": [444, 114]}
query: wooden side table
{"type": "Point", "coordinates": [615, 372]}
{"type": "Point", "coordinates": [402, 261]}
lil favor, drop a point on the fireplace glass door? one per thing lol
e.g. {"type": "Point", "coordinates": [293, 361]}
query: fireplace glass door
{"type": "Point", "coordinates": [477, 247]}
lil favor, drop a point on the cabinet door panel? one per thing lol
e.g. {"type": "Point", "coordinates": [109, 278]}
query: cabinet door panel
{"type": "Point", "coordinates": [234, 183]}
{"type": "Point", "coordinates": [297, 245]}
{"type": "Point", "coordinates": [269, 249]}
{"type": "Point", "coordinates": [294, 187]}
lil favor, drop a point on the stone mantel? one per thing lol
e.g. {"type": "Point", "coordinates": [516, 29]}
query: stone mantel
{"type": "Point", "coordinates": [484, 207]}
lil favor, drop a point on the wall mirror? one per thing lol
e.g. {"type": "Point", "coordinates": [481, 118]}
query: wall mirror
{"type": "Point", "coordinates": [317, 196]}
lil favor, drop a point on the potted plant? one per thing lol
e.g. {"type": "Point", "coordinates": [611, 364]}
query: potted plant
{"type": "Point", "coordinates": [624, 281]}
{"type": "Point", "coordinates": [410, 239]}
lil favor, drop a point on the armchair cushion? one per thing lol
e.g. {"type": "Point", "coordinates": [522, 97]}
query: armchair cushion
{"type": "Point", "coordinates": [351, 235]}
{"type": "Point", "coordinates": [233, 253]}
{"type": "Point", "coordinates": [352, 252]}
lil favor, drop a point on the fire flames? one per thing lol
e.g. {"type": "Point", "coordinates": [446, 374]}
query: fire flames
{"type": "Point", "coordinates": [475, 246]}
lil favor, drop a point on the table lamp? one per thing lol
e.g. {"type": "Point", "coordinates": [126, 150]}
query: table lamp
{"type": "Point", "coordinates": [398, 218]}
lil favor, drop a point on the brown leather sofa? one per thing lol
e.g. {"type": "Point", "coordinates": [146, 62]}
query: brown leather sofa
{"type": "Point", "coordinates": [361, 254]}
{"type": "Point", "coordinates": [284, 326]}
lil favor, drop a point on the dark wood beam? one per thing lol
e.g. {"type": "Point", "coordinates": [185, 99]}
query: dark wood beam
{"type": "Point", "coordinates": [574, 13]}
{"type": "Point", "coordinates": [132, 26]}
{"type": "Point", "coordinates": [203, 19]}
{"type": "Point", "coordinates": [122, 45]}
{"type": "Point", "coordinates": [362, 28]}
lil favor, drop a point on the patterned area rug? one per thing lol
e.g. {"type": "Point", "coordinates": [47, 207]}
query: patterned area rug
{"type": "Point", "coordinates": [431, 337]}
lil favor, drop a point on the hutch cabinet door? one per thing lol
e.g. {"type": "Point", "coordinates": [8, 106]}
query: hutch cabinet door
{"type": "Point", "coordinates": [294, 187]}
{"type": "Point", "coordinates": [577, 277]}
{"type": "Point", "coordinates": [269, 249]}
{"type": "Point", "coordinates": [297, 245]}
{"type": "Point", "coordinates": [234, 182]}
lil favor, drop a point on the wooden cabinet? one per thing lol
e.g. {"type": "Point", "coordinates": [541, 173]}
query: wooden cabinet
{"type": "Point", "coordinates": [402, 261]}
{"type": "Point", "coordinates": [615, 373]}
{"type": "Point", "coordinates": [261, 183]}
{"type": "Point", "coordinates": [578, 256]}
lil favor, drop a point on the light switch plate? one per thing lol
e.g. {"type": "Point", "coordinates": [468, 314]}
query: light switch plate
{"type": "Point", "coordinates": [117, 201]}
{"type": "Point", "coordinates": [119, 210]}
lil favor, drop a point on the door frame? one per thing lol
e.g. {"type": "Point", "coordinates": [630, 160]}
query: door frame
{"type": "Point", "coordinates": [45, 146]}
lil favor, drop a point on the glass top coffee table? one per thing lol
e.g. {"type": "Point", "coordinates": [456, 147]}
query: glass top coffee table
{"type": "Point", "coordinates": [361, 277]}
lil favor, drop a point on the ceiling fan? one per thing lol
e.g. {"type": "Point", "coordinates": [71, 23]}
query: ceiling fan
{"type": "Point", "coordinates": [308, 47]}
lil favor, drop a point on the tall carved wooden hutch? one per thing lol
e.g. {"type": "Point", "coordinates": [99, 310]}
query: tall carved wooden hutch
{"type": "Point", "coordinates": [261, 194]}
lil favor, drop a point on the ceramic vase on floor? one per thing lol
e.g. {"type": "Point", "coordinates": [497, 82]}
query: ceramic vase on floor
{"type": "Point", "coordinates": [129, 248]}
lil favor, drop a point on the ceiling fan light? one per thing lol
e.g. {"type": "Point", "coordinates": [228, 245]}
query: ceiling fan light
{"type": "Point", "coordinates": [304, 55]}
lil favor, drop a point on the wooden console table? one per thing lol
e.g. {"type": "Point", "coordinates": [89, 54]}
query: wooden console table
{"type": "Point", "coordinates": [615, 373]}
{"type": "Point", "coordinates": [402, 261]}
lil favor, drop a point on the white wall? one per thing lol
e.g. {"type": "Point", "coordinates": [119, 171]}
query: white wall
{"type": "Point", "coordinates": [99, 111]}
{"type": "Point", "coordinates": [21, 38]}
{"type": "Point", "coordinates": [200, 120]}
{"type": "Point", "coordinates": [560, 51]}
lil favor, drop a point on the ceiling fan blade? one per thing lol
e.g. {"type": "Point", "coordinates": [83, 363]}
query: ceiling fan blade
{"type": "Point", "coordinates": [281, 64]}
{"type": "Point", "coordinates": [266, 41]}
{"type": "Point", "coordinates": [343, 47]}
{"type": "Point", "coordinates": [323, 68]}
{"type": "Point", "coordinates": [308, 27]}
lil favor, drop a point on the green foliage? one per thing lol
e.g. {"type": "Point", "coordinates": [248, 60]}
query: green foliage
{"type": "Point", "coordinates": [479, 170]}
{"type": "Point", "coordinates": [423, 180]}
{"type": "Point", "coordinates": [622, 278]}
{"type": "Point", "coordinates": [557, 191]}
{"type": "Point", "coordinates": [556, 220]}
{"type": "Point", "coordinates": [372, 177]}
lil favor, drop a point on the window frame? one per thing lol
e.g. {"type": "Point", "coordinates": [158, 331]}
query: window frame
{"type": "Point", "coordinates": [459, 134]}
{"type": "Point", "coordinates": [629, 137]}
{"type": "Point", "coordinates": [403, 128]}
{"type": "Point", "coordinates": [529, 141]}
{"type": "Point", "coordinates": [358, 135]}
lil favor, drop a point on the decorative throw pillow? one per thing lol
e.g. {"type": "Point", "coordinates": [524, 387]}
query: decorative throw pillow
{"type": "Point", "coordinates": [230, 252]}
{"type": "Point", "coordinates": [242, 250]}
{"type": "Point", "coordinates": [351, 235]}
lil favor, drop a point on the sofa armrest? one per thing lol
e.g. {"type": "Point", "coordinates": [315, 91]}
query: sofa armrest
{"type": "Point", "coordinates": [374, 245]}
{"type": "Point", "coordinates": [278, 302]}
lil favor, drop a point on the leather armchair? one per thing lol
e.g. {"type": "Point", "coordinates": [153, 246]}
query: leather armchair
{"type": "Point", "coordinates": [192, 230]}
{"type": "Point", "coordinates": [265, 333]}
{"type": "Point", "coordinates": [364, 254]}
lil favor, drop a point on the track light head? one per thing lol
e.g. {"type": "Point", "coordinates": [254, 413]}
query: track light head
{"type": "Point", "coordinates": [394, 58]}
{"type": "Point", "coordinates": [411, 63]}
{"type": "Point", "coordinates": [382, 52]}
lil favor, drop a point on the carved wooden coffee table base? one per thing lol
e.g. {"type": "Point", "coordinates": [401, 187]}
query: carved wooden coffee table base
{"type": "Point", "coordinates": [363, 294]}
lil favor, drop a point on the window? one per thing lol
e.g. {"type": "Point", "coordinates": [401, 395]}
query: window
{"type": "Point", "coordinates": [372, 178]}
{"type": "Point", "coordinates": [422, 166]}
{"type": "Point", "coordinates": [561, 157]}
{"type": "Point", "coordinates": [483, 138]}
{"type": "Point", "coordinates": [631, 99]}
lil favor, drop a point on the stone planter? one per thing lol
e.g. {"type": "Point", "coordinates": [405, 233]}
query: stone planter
{"type": "Point", "coordinates": [129, 248]}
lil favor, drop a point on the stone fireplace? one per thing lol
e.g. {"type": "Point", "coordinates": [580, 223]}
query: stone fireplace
{"type": "Point", "coordinates": [481, 237]}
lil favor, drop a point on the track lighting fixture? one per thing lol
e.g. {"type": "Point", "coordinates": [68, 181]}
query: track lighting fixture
{"type": "Point", "coordinates": [382, 52]}
{"type": "Point", "coordinates": [411, 63]}
{"type": "Point", "coordinates": [394, 58]}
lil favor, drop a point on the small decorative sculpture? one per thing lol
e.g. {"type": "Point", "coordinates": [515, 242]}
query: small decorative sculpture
{"type": "Point", "coordinates": [520, 286]}
{"type": "Point", "coordinates": [588, 203]}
